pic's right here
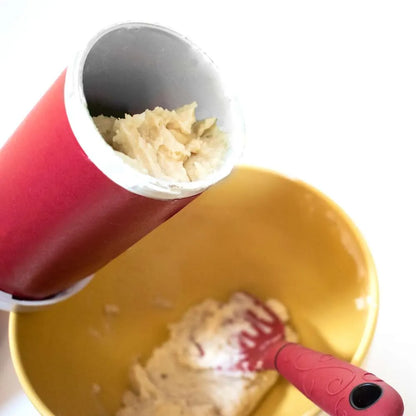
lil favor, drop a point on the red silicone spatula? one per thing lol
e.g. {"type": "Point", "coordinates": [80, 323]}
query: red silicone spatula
{"type": "Point", "coordinates": [337, 387]}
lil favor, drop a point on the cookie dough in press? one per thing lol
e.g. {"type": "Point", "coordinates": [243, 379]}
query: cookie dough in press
{"type": "Point", "coordinates": [170, 145]}
{"type": "Point", "coordinates": [182, 376]}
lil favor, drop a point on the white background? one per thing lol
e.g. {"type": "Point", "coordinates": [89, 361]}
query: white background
{"type": "Point", "coordinates": [328, 86]}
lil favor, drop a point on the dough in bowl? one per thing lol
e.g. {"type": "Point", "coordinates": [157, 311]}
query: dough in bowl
{"type": "Point", "coordinates": [188, 376]}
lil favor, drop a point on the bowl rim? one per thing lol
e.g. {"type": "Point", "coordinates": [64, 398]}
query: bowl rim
{"type": "Point", "coordinates": [20, 370]}
{"type": "Point", "coordinates": [362, 348]}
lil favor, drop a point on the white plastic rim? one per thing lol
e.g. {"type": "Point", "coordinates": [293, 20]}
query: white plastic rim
{"type": "Point", "coordinates": [129, 67]}
{"type": "Point", "coordinates": [11, 304]}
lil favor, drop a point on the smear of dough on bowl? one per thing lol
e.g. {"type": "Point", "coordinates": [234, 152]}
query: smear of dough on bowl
{"type": "Point", "coordinates": [182, 376]}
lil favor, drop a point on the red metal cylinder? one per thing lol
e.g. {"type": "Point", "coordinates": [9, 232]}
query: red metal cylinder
{"type": "Point", "coordinates": [61, 218]}
{"type": "Point", "coordinates": [68, 204]}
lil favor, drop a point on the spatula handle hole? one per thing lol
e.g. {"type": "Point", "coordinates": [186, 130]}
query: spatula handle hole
{"type": "Point", "coordinates": [365, 395]}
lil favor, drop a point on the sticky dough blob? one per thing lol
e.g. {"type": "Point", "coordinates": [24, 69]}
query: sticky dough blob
{"type": "Point", "coordinates": [169, 145]}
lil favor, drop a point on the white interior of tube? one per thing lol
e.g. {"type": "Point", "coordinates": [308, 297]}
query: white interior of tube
{"type": "Point", "coordinates": [131, 67]}
{"type": "Point", "coordinates": [9, 303]}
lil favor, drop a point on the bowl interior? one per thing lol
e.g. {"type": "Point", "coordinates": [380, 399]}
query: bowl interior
{"type": "Point", "coordinates": [256, 231]}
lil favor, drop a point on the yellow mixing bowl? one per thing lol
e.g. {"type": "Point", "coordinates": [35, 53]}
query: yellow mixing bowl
{"type": "Point", "coordinates": [256, 231]}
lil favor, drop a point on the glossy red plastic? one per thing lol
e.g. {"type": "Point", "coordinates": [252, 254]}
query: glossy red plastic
{"type": "Point", "coordinates": [61, 218]}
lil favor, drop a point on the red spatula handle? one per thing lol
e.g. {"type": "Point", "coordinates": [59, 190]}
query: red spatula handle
{"type": "Point", "coordinates": [337, 387]}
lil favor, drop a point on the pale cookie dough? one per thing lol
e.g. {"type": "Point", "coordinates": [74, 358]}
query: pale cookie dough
{"type": "Point", "coordinates": [182, 378]}
{"type": "Point", "coordinates": [170, 145]}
